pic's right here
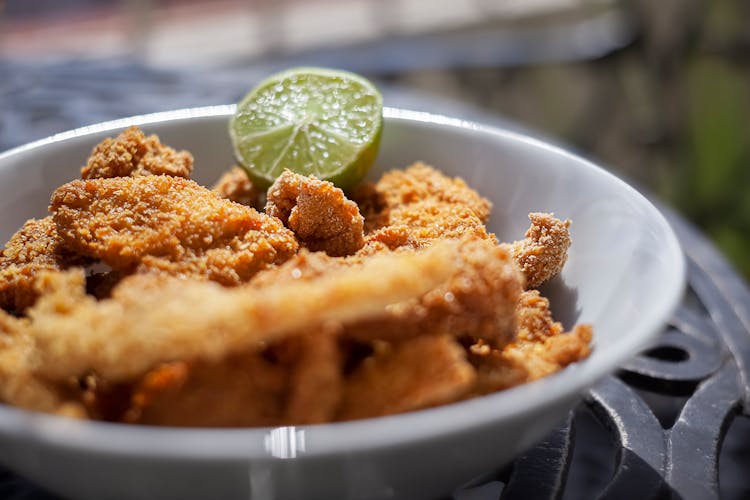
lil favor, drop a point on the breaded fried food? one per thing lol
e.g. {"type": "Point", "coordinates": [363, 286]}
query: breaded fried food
{"type": "Point", "coordinates": [417, 373]}
{"type": "Point", "coordinates": [168, 224]}
{"type": "Point", "coordinates": [201, 311]}
{"type": "Point", "coordinates": [34, 248]}
{"type": "Point", "coordinates": [19, 386]}
{"type": "Point", "coordinates": [236, 186]}
{"type": "Point", "coordinates": [415, 206]}
{"type": "Point", "coordinates": [542, 254]}
{"type": "Point", "coordinates": [132, 153]}
{"type": "Point", "coordinates": [318, 212]}
{"type": "Point", "coordinates": [151, 319]}
{"type": "Point", "coordinates": [316, 379]}
{"type": "Point", "coordinates": [243, 390]}
{"type": "Point", "coordinates": [541, 348]}
{"type": "Point", "coordinates": [429, 204]}
{"type": "Point", "coordinates": [479, 299]}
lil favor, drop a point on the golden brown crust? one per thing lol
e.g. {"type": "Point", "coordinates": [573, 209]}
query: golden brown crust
{"type": "Point", "coordinates": [243, 390]}
{"type": "Point", "coordinates": [540, 349]}
{"type": "Point", "coordinates": [417, 373]}
{"type": "Point", "coordinates": [19, 385]}
{"type": "Point", "coordinates": [316, 381]}
{"type": "Point", "coordinates": [168, 224]}
{"type": "Point", "coordinates": [34, 248]}
{"type": "Point", "coordinates": [415, 307]}
{"type": "Point", "coordinates": [318, 213]}
{"type": "Point", "coordinates": [534, 319]}
{"type": "Point", "coordinates": [542, 254]}
{"type": "Point", "coordinates": [479, 299]}
{"type": "Point", "coordinates": [430, 204]}
{"type": "Point", "coordinates": [132, 153]}
{"type": "Point", "coordinates": [236, 186]}
{"type": "Point", "coordinates": [151, 319]}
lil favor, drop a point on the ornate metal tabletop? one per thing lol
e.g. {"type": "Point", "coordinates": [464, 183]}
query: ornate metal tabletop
{"type": "Point", "coordinates": [673, 422]}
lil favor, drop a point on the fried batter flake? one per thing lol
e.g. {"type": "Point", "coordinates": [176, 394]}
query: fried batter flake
{"type": "Point", "coordinates": [236, 186]}
{"type": "Point", "coordinates": [318, 213]}
{"type": "Point", "coordinates": [132, 153]}
{"type": "Point", "coordinates": [542, 254]}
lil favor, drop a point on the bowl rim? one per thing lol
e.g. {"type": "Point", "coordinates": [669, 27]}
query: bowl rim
{"type": "Point", "coordinates": [309, 441]}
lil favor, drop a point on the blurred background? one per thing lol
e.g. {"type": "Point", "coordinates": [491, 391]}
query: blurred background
{"type": "Point", "coordinates": [659, 91]}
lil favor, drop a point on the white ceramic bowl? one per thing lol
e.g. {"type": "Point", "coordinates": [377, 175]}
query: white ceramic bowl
{"type": "Point", "coordinates": [625, 274]}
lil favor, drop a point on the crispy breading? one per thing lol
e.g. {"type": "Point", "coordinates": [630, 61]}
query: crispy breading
{"type": "Point", "coordinates": [206, 312]}
{"type": "Point", "coordinates": [303, 266]}
{"type": "Point", "coordinates": [540, 349]}
{"type": "Point", "coordinates": [418, 205]}
{"type": "Point", "coordinates": [430, 204]}
{"type": "Point", "coordinates": [318, 213]}
{"type": "Point", "coordinates": [19, 385]}
{"type": "Point", "coordinates": [153, 319]}
{"type": "Point", "coordinates": [235, 185]}
{"type": "Point", "coordinates": [132, 153]}
{"type": "Point", "coordinates": [35, 247]}
{"type": "Point", "coordinates": [534, 319]}
{"type": "Point", "coordinates": [242, 390]}
{"type": "Point", "coordinates": [168, 224]}
{"type": "Point", "coordinates": [479, 299]}
{"type": "Point", "coordinates": [316, 383]}
{"type": "Point", "coordinates": [542, 254]}
{"type": "Point", "coordinates": [417, 373]}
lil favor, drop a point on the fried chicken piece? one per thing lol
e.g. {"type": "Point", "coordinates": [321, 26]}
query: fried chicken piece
{"type": "Point", "coordinates": [540, 349]}
{"type": "Point", "coordinates": [235, 185]}
{"type": "Point", "coordinates": [316, 384]}
{"type": "Point", "coordinates": [318, 213]}
{"type": "Point", "coordinates": [246, 389]}
{"type": "Point", "coordinates": [168, 224]}
{"type": "Point", "coordinates": [417, 373]}
{"type": "Point", "coordinates": [430, 204]}
{"type": "Point", "coordinates": [479, 299]}
{"type": "Point", "coordinates": [151, 319]}
{"type": "Point", "coordinates": [243, 390]}
{"type": "Point", "coordinates": [542, 254]}
{"type": "Point", "coordinates": [35, 247]}
{"type": "Point", "coordinates": [132, 153]}
{"type": "Point", "coordinates": [19, 384]}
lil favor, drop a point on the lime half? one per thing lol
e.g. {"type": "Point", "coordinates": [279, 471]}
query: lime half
{"type": "Point", "coordinates": [312, 121]}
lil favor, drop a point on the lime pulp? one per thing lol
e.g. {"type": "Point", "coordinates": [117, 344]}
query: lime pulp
{"type": "Point", "coordinates": [313, 121]}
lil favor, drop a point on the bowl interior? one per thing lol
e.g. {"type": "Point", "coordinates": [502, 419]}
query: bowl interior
{"type": "Point", "coordinates": [625, 271]}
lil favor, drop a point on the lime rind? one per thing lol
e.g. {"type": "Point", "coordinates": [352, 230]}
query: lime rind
{"type": "Point", "coordinates": [314, 121]}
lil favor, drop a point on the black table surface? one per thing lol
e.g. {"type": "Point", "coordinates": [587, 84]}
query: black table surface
{"type": "Point", "coordinates": [672, 422]}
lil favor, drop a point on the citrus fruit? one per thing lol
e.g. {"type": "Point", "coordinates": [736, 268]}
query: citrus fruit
{"type": "Point", "coordinates": [312, 121]}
